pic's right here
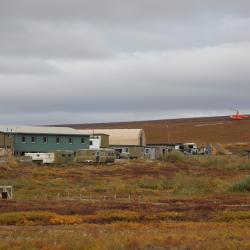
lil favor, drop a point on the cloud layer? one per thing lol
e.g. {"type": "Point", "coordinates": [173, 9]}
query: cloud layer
{"type": "Point", "coordinates": [92, 61]}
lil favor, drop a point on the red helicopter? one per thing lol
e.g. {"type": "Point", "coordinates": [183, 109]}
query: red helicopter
{"type": "Point", "coordinates": [238, 116]}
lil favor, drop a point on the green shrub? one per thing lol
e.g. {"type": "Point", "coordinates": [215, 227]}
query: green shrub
{"type": "Point", "coordinates": [116, 185]}
{"type": "Point", "coordinates": [214, 162]}
{"type": "Point", "coordinates": [154, 183]}
{"type": "Point", "coordinates": [194, 185]}
{"type": "Point", "coordinates": [174, 157]}
{"type": "Point", "coordinates": [244, 166]}
{"type": "Point", "coordinates": [241, 186]}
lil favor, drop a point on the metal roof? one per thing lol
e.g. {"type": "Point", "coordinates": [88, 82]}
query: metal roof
{"type": "Point", "coordinates": [15, 129]}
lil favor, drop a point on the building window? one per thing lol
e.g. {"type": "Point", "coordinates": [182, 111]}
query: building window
{"type": "Point", "coordinates": [33, 139]}
{"type": "Point", "coordinates": [82, 140]}
{"type": "Point", "coordinates": [125, 150]}
{"type": "Point", "coordinates": [70, 140]}
{"type": "Point", "coordinates": [23, 139]}
{"type": "Point", "coordinates": [147, 151]}
{"type": "Point", "coordinates": [45, 139]}
{"type": "Point", "coordinates": [57, 140]}
{"type": "Point", "coordinates": [90, 142]}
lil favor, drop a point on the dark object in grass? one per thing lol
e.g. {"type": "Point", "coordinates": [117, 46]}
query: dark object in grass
{"type": "Point", "coordinates": [4, 195]}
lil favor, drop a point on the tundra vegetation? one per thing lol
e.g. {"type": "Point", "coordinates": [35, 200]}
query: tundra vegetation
{"type": "Point", "coordinates": [180, 202]}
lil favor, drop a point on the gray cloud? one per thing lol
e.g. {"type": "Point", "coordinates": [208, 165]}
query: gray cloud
{"type": "Point", "coordinates": [53, 40]}
{"type": "Point", "coordinates": [117, 9]}
{"type": "Point", "coordinates": [66, 61]}
{"type": "Point", "coordinates": [20, 66]}
{"type": "Point", "coordinates": [150, 81]}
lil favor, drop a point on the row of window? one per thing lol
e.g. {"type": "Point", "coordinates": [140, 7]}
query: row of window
{"type": "Point", "coordinates": [45, 140]}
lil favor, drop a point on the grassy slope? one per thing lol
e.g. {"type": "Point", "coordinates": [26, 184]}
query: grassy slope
{"type": "Point", "coordinates": [199, 130]}
{"type": "Point", "coordinates": [181, 203]}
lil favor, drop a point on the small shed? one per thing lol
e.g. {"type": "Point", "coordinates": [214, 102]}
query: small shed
{"type": "Point", "coordinates": [157, 151]}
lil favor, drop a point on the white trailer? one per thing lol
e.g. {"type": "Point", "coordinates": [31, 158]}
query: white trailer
{"type": "Point", "coordinates": [45, 158]}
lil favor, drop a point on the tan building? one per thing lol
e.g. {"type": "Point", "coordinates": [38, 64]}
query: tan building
{"type": "Point", "coordinates": [6, 144]}
{"type": "Point", "coordinates": [5, 140]}
{"type": "Point", "coordinates": [129, 143]}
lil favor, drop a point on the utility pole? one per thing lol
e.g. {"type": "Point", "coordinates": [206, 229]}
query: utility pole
{"type": "Point", "coordinates": [168, 134]}
{"type": "Point", "coordinates": [4, 147]}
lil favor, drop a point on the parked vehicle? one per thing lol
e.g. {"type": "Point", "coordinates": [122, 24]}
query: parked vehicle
{"type": "Point", "coordinates": [91, 156]}
{"type": "Point", "coordinates": [64, 157]}
{"type": "Point", "coordinates": [58, 157]}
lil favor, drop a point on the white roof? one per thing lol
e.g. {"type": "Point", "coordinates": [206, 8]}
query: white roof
{"type": "Point", "coordinates": [40, 130]}
{"type": "Point", "coordinates": [121, 137]}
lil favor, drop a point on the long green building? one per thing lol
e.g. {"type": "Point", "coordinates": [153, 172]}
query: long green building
{"type": "Point", "coordinates": [42, 139]}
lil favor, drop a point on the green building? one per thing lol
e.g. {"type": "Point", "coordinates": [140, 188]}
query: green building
{"type": "Point", "coordinates": [32, 139]}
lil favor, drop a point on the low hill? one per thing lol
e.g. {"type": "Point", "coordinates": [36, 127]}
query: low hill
{"type": "Point", "coordinates": [200, 130]}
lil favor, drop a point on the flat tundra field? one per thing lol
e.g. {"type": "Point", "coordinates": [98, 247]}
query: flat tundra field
{"type": "Point", "coordinates": [179, 203]}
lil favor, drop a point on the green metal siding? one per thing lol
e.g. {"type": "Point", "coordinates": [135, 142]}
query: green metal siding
{"type": "Point", "coordinates": [51, 145]}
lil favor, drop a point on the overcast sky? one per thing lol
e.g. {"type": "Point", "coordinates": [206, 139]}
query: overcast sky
{"type": "Point", "coordinates": [77, 61]}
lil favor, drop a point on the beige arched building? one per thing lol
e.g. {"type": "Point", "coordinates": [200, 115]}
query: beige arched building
{"type": "Point", "coordinates": [129, 143]}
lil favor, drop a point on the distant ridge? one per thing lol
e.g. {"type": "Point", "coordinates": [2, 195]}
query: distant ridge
{"type": "Point", "coordinates": [171, 120]}
{"type": "Point", "coordinates": [202, 130]}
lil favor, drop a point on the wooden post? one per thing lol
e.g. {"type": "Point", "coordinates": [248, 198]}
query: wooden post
{"type": "Point", "coordinates": [248, 154]}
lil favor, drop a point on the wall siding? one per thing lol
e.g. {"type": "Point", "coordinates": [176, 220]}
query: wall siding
{"type": "Point", "coordinates": [105, 141]}
{"type": "Point", "coordinates": [5, 140]}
